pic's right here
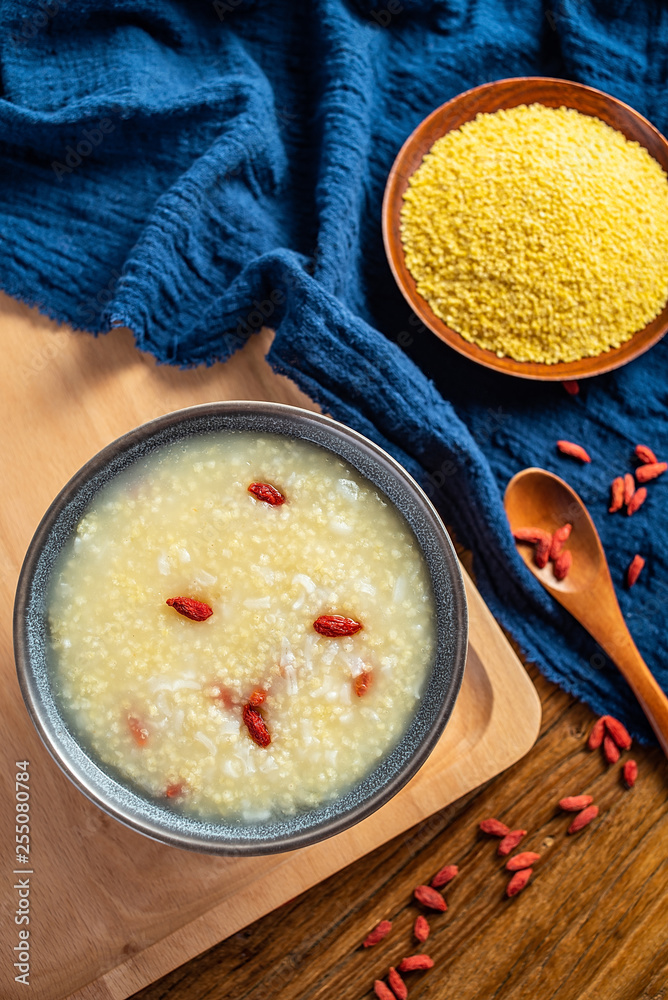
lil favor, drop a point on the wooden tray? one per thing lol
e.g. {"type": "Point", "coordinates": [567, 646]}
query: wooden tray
{"type": "Point", "coordinates": [111, 910]}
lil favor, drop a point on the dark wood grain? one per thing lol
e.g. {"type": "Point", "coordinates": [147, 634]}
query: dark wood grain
{"type": "Point", "coordinates": [488, 98]}
{"type": "Point", "coordinates": [592, 924]}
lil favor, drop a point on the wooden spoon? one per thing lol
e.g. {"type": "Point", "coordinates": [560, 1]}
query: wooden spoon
{"type": "Point", "coordinates": [536, 498]}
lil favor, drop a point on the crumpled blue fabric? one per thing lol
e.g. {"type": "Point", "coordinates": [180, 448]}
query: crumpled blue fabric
{"type": "Point", "coordinates": [194, 170]}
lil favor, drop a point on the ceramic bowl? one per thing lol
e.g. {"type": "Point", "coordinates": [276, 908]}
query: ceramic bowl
{"type": "Point", "coordinates": [492, 97]}
{"type": "Point", "coordinates": [155, 818]}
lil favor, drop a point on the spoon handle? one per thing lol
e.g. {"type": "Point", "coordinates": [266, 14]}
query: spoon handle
{"type": "Point", "coordinates": [653, 700]}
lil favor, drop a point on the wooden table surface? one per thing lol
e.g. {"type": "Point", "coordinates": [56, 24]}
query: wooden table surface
{"type": "Point", "coordinates": [593, 924]}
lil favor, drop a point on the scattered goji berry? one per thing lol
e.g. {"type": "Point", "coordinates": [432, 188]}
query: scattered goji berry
{"type": "Point", "coordinates": [421, 929]}
{"type": "Point", "coordinates": [415, 962]}
{"type": "Point", "coordinates": [256, 726]}
{"type": "Point", "coordinates": [652, 471]}
{"type": "Point", "coordinates": [520, 861]}
{"type": "Point", "coordinates": [362, 682]}
{"type": "Point", "coordinates": [574, 450]}
{"type": "Point", "coordinates": [634, 570]}
{"type": "Point", "coordinates": [629, 487]}
{"type": "Point", "coordinates": [597, 733]}
{"type": "Point", "coordinates": [636, 501]}
{"type": "Point", "coordinates": [646, 455]}
{"type": "Point", "coordinates": [562, 564]}
{"type": "Point", "coordinates": [575, 803]}
{"type": "Point", "coordinates": [138, 729]}
{"type": "Point", "coordinates": [630, 772]}
{"type": "Point", "coordinates": [610, 750]}
{"type": "Point", "coordinates": [333, 626]}
{"type": "Point", "coordinates": [494, 827]}
{"type": "Point", "coordinates": [257, 698]}
{"type": "Point", "coordinates": [583, 819]}
{"type": "Point", "coordinates": [269, 494]}
{"type": "Point", "coordinates": [572, 386]}
{"type": "Point", "coordinates": [197, 611]}
{"type": "Point", "coordinates": [174, 791]}
{"type": "Point", "coordinates": [558, 539]}
{"type": "Point", "coordinates": [618, 732]}
{"type": "Point", "coordinates": [510, 841]}
{"type": "Point", "coordinates": [382, 991]}
{"type": "Point", "coordinates": [616, 494]}
{"type": "Point", "coordinates": [531, 535]}
{"type": "Point", "coordinates": [398, 985]}
{"type": "Point", "coordinates": [429, 897]}
{"type": "Point", "coordinates": [518, 881]}
{"type": "Point", "coordinates": [445, 875]}
{"type": "Point", "coordinates": [377, 934]}
{"type": "Point", "coordinates": [542, 551]}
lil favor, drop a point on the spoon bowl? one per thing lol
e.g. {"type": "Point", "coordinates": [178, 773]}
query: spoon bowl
{"type": "Point", "coordinates": [536, 498]}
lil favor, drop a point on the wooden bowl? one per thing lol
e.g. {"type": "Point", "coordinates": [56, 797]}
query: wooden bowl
{"type": "Point", "coordinates": [464, 107]}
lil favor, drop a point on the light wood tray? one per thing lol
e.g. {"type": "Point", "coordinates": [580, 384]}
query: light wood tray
{"type": "Point", "coordinates": [111, 910]}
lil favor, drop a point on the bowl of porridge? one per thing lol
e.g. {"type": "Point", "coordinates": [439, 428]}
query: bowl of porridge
{"type": "Point", "coordinates": [240, 628]}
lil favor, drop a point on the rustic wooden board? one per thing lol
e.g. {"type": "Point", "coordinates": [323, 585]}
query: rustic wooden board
{"type": "Point", "coordinates": [111, 910]}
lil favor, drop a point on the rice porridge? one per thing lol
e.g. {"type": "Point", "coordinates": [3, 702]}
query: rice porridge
{"type": "Point", "coordinates": [242, 625]}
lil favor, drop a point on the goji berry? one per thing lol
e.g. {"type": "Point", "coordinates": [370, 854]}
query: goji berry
{"type": "Point", "coordinates": [575, 803]}
{"type": "Point", "coordinates": [583, 819]}
{"type": "Point", "coordinates": [619, 732]}
{"type": "Point", "coordinates": [269, 494]}
{"type": "Point", "coordinates": [644, 473]}
{"type": "Point", "coordinates": [256, 726]}
{"type": "Point", "coordinates": [558, 539]}
{"type": "Point", "coordinates": [494, 827]}
{"type": "Point", "coordinates": [520, 861]}
{"type": "Point", "coordinates": [630, 772]}
{"type": "Point", "coordinates": [646, 455]}
{"type": "Point", "coordinates": [531, 535]}
{"type": "Point", "coordinates": [636, 501]}
{"type": "Point", "coordinates": [562, 564]}
{"type": "Point", "coordinates": [334, 626]}
{"type": "Point", "coordinates": [445, 875]}
{"type": "Point", "coordinates": [197, 611]}
{"type": "Point", "coordinates": [629, 488]}
{"type": "Point", "coordinates": [139, 731]}
{"type": "Point", "coordinates": [610, 750]}
{"type": "Point", "coordinates": [415, 962]}
{"type": "Point", "coordinates": [634, 570]}
{"type": "Point", "coordinates": [362, 682]}
{"type": "Point", "coordinates": [429, 897]}
{"type": "Point", "coordinates": [574, 450]}
{"type": "Point", "coordinates": [380, 931]}
{"type": "Point", "coordinates": [398, 985]}
{"type": "Point", "coordinates": [597, 733]}
{"type": "Point", "coordinates": [616, 494]}
{"type": "Point", "coordinates": [518, 881]}
{"type": "Point", "coordinates": [542, 551]}
{"type": "Point", "coordinates": [421, 929]}
{"type": "Point", "coordinates": [510, 841]}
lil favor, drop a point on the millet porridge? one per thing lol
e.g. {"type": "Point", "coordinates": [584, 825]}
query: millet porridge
{"type": "Point", "coordinates": [242, 625]}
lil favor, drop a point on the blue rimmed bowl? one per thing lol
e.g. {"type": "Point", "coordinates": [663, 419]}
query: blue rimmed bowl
{"type": "Point", "coordinates": [154, 818]}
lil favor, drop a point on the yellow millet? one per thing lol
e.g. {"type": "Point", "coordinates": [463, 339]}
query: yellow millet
{"type": "Point", "coordinates": [539, 233]}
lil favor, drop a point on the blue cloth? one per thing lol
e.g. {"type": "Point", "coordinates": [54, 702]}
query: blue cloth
{"type": "Point", "coordinates": [193, 170]}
